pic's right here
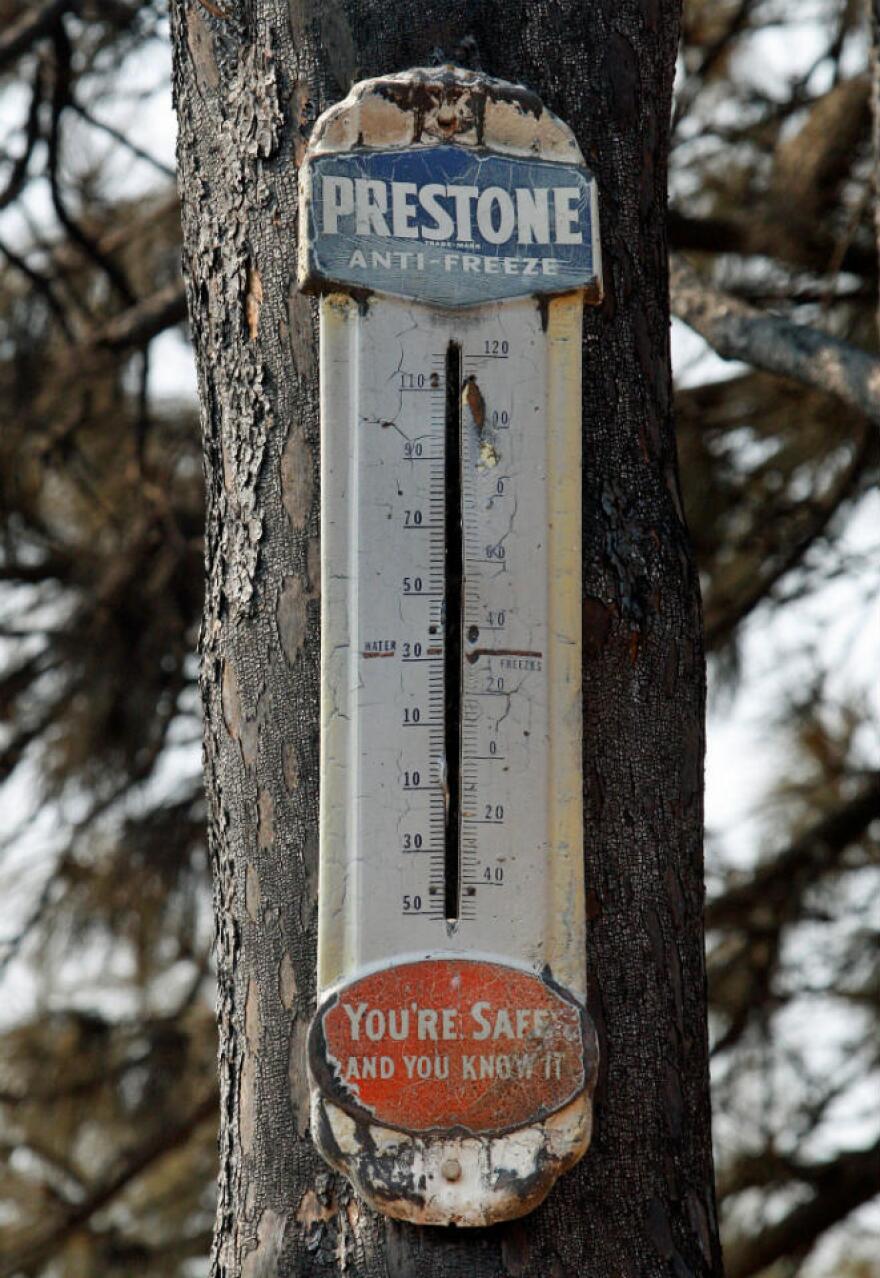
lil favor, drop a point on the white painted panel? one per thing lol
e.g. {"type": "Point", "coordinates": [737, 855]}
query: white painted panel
{"type": "Point", "coordinates": [383, 733]}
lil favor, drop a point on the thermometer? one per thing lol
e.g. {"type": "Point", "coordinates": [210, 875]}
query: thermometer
{"type": "Point", "coordinates": [449, 225]}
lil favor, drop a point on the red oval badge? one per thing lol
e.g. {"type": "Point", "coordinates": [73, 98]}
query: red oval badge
{"type": "Point", "coordinates": [452, 1043]}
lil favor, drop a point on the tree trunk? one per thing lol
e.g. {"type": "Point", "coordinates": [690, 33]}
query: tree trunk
{"type": "Point", "coordinates": [250, 79]}
{"type": "Point", "coordinates": [874, 64]}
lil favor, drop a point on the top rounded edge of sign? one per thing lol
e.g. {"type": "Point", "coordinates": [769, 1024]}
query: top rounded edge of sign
{"type": "Point", "coordinates": [446, 104]}
{"type": "Point", "coordinates": [389, 135]}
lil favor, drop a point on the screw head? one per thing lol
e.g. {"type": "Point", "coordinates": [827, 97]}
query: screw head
{"type": "Point", "coordinates": [450, 1169]}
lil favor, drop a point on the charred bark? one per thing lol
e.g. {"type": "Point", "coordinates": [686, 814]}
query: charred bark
{"type": "Point", "coordinates": [249, 80]}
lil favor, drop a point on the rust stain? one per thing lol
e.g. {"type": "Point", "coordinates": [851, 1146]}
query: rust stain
{"type": "Point", "coordinates": [502, 652]}
{"type": "Point", "coordinates": [472, 399]}
{"type": "Point", "coordinates": [214, 10]}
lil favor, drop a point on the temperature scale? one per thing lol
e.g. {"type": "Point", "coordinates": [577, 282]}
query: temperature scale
{"type": "Point", "coordinates": [449, 224]}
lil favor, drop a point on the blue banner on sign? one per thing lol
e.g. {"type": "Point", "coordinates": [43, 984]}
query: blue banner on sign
{"type": "Point", "coordinates": [449, 225]}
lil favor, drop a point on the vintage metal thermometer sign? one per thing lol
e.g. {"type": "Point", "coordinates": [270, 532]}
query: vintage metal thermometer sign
{"type": "Point", "coordinates": [450, 226]}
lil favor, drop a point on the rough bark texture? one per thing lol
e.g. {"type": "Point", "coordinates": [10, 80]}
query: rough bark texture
{"type": "Point", "coordinates": [874, 63]}
{"type": "Point", "coordinates": [250, 78]}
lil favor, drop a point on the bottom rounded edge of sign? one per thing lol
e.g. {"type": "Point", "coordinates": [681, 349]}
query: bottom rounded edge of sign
{"type": "Point", "coordinates": [452, 1046]}
{"type": "Point", "coordinates": [447, 1180]}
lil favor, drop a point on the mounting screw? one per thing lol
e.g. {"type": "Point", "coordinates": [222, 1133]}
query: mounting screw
{"type": "Point", "coordinates": [450, 1169]}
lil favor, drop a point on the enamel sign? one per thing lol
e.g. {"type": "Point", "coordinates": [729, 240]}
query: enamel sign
{"type": "Point", "coordinates": [497, 1046]}
{"type": "Point", "coordinates": [449, 225]}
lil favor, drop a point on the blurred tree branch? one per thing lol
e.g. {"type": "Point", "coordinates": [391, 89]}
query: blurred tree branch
{"type": "Point", "coordinates": [839, 1187]}
{"type": "Point", "coordinates": [37, 21]}
{"type": "Point", "coordinates": [61, 98]}
{"type": "Point", "coordinates": [18, 174]}
{"type": "Point", "coordinates": [723, 615]}
{"type": "Point", "coordinates": [759, 236]}
{"type": "Point", "coordinates": [738, 331]}
{"type": "Point", "coordinates": [774, 889]}
{"type": "Point", "coordinates": [144, 320]}
{"type": "Point", "coordinates": [77, 1214]}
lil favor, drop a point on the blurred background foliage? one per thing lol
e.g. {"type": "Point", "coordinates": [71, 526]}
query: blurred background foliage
{"type": "Point", "coordinates": [107, 1076]}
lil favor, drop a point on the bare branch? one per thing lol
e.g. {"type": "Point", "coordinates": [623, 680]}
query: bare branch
{"type": "Point", "coordinates": [34, 574]}
{"type": "Point", "coordinates": [776, 887]}
{"type": "Point", "coordinates": [140, 323]}
{"type": "Point", "coordinates": [42, 285]}
{"type": "Point", "coordinates": [119, 136]}
{"type": "Point", "coordinates": [851, 1179]}
{"type": "Point", "coordinates": [735, 330]}
{"type": "Point", "coordinates": [712, 54]}
{"type": "Point", "coordinates": [35, 1253]}
{"type": "Point", "coordinates": [31, 26]}
{"type": "Point", "coordinates": [723, 618]}
{"type": "Point", "coordinates": [61, 98]}
{"type": "Point", "coordinates": [759, 236]}
{"type": "Point", "coordinates": [18, 175]}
